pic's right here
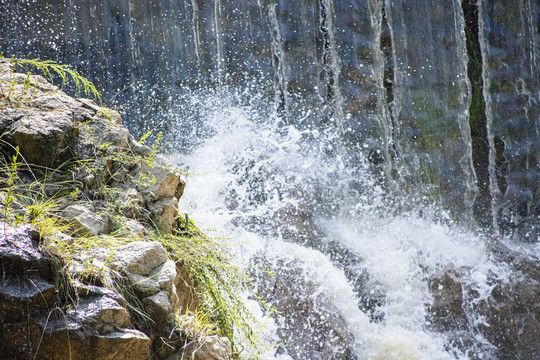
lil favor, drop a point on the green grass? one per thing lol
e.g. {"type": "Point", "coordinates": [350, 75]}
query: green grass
{"type": "Point", "coordinates": [35, 196]}
{"type": "Point", "coordinates": [65, 72]}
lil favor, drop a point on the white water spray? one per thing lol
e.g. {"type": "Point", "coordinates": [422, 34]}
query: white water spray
{"type": "Point", "coordinates": [287, 196]}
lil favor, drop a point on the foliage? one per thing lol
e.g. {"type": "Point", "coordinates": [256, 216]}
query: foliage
{"type": "Point", "coordinates": [49, 67]}
{"type": "Point", "coordinates": [218, 285]}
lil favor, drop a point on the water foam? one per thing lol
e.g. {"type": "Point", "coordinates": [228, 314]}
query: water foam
{"type": "Point", "coordinates": [269, 166]}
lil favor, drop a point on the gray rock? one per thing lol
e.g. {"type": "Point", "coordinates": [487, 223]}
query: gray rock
{"type": "Point", "coordinates": [20, 254]}
{"type": "Point", "coordinates": [43, 138]}
{"type": "Point", "coordinates": [132, 201]}
{"type": "Point", "coordinates": [126, 344]}
{"type": "Point", "coordinates": [158, 307]}
{"type": "Point", "coordinates": [141, 257]}
{"type": "Point", "coordinates": [165, 275]}
{"type": "Point", "coordinates": [133, 228]}
{"type": "Point", "coordinates": [206, 348]}
{"type": "Point", "coordinates": [100, 312]}
{"type": "Point", "coordinates": [507, 318]}
{"type": "Point", "coordinates": [87, 222]}
{"type": "Point", "coordinates": [164, 180]}
{"type": "Point", "coordinates": [300, 300]}
{"type": "Point", "coordinates": [164, 213]}
{"type": "Point", "coordinates": [19, 297]}
{"type": "Point", "coordinates": [161, 278]}
{"type": "Point", "coordinates": [85, 290]}
{"type": "Point", "coordinates": [143, 285]}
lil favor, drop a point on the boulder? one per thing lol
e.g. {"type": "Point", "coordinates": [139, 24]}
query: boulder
{"type": "Point", "coordinates": [127, 344]}
{"type": "Point", "coordinates": [132, 228]}
{"type": "Point", "coordinates": [506, 318]}
{"type": "Point", "coordinates": [18, 296]}
{"type": "Point", "coordinates": [86, 221]}
{"type": "Point", "coordinates": [207, 348]}
{"type": "Point", "coordinates": [162, 277]}
{"type": "Point", "coordinates": [163, 213]}
{"type": "Point", "coordinates": [159, 308]}
{"type": "Point", "coordinates": [101, 312]}
{"type": "Point", "coordinates": [141, 257]}
{"type": "Point", "coordinates": [20, 254]}
{"type": "Point", "coordinates": [164, 181]}
{"type": "Point", "coordinates": [43, 138]}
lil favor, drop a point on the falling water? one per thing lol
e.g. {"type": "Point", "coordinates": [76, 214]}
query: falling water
{"type": "Point", "coordinates": [356, 268]}
{"type": "Point", "coordinates": [332, 143]}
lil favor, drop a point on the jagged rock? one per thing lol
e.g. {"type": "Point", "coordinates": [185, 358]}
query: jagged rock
{"type": "Point", "coordinates": [508, 317]}
{"type": "Point", "coordinates": [18, 296]}
{"type": "Point", "coordinates": [133, 228]}
{"type": "Point", "coordinates": [165, 275]}
{"type": "Point", "coordinates": [207, 348]}
{"type": "Point", "coordinates": [446, 311]}
{"type": "Point", "coordinates": [87, 222]}
{"type": "Point", "coordinates": [74, 311]}
{"type": "Point", "coordinates": [165, 180]}
{"type": "Point", "coordinates": [133, 202]}
{"type": "Point", "coordinates": [19, 253]}
{"type": "Point", "coordinates": [102, 312]}
{"type": "Point", "coordinates": [140, 149]}
{"type": "Point", "coordinates": [43, 139]}
{"type": "Point", "coordinates": [141, 257]}
{"type": "Point", "coordinates": [85, 290]}
{"type": "Point", "coordinates": [158, 307]}
{"type": "Point", "coordinates": [90, 104]}
{"type": "Point", "coordinates": [126, 344]}
{"type": "Point", "coordinates": [180, 189]}
{"type": "Point", "coordinates": [53, 128]}
{"type": "Point", "coordinates": [164, 213]}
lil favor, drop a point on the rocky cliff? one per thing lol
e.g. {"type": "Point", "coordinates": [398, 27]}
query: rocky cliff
{"type": "Point", "coordinates": [89, 227]}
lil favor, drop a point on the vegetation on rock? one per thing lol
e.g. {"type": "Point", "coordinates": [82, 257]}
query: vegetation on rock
{"type": "Point", "coordinates": [87, 187]}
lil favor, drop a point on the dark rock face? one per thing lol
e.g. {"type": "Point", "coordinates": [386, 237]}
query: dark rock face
{"type": "Point", "coordinates": [19, 254]}
{"type": "Point", "coordinates": [503, 323]}
{"type": "Point", "coordinates": [33, 324]}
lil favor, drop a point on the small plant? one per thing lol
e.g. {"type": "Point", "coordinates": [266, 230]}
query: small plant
{"type": "Point", "coordinates": [195, 324]}
{"type": "Point", "coordinates": [218, 284]}
{"type": "Point", "coordinates": [49, 67]}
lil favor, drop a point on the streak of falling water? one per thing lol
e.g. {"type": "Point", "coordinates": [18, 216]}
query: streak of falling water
{"type": "Point", "coordinates": [196, 35]}
{"type": "Point", "coordinates": [281, 96]}
{"type": "Point", "coordinates": [330, 61]}
{"type": "Point", "coordinates": [219, 46]}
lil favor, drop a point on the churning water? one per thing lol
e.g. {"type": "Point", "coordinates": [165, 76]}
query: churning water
{"type": "Point", "coordinates": [351, 269]}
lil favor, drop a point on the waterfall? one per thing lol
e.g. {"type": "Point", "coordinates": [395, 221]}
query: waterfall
{"type": "Point", "coordinates": [433, 134]}
{"type": "Point", "coordinates": [281, 96]}
{"type": "Point", "coordinates": [359, 272]}
{"type": "Point", "coordinates": [219, 47]}
{"type": "Point", "coordinates": [512, 110]}
{"type": "Point", "coordinates": [379, 157]}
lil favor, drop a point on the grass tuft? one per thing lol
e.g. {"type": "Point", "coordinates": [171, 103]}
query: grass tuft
{"type": "Point", "coordinates": [49, 67]}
